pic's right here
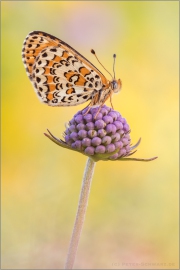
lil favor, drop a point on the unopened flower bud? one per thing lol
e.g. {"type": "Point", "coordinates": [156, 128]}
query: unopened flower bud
{"type": "Point", "coordinates": [102, 134]}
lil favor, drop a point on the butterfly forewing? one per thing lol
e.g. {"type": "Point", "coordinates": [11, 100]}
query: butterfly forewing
{"type": "Point", "coordinates": [60, 75]}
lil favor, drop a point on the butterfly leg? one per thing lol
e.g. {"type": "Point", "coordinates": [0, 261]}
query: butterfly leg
{"type": "Point", "coordinates": [94, 101]}
{"type": "Point", "coordinates": [108, 96]}
{"type": "Point", "coordinates": [89, 107]}
{"type": "Point", "coordinates": [111, 100]}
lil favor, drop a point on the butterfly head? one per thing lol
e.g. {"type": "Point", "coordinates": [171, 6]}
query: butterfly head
{"type": "Point", "coordinates": [116, 85]}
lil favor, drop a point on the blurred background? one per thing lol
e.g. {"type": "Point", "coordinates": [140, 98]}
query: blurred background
{"type": "Point", "coordinates": [132, 216]}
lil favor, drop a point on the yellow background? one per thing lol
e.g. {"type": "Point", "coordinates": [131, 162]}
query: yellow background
{"type": "Point", "coordinates": [132, 216]}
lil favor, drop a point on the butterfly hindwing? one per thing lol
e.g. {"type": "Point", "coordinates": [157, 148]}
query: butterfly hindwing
{"type": "Point", "coordinates": [60, 75]}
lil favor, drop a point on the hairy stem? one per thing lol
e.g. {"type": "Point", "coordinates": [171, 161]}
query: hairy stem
{"type": "Point", "coordinates": [81, 212]}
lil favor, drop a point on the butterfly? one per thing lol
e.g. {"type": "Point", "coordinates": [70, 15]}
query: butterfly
{"type": "Point", "coordinates": [61, 76]}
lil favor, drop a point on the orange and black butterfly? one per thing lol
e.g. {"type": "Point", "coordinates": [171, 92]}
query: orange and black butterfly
{"type": "Point", "coordinates": [61, 76]}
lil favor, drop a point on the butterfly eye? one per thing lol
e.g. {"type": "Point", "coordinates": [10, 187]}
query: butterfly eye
{"type": "Point", "coordinates": [115, 87]}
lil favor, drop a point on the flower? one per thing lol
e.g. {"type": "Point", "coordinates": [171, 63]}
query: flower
{"type": "Point", "coordinates": [100, 133]}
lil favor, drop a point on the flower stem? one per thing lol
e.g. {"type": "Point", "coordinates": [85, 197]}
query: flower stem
{"type": "Point", "coordinates": [80, 216]}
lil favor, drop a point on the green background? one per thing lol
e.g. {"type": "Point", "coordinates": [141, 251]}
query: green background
{"type": "Point", "coordinates": [132, 216]}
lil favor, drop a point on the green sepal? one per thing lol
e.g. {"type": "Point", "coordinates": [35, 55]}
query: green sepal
{"type": "Point", "coordinates": [96, 157]}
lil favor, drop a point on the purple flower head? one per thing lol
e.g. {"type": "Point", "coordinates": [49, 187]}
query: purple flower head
{"type": "Point", "coordinates": [102, 134]}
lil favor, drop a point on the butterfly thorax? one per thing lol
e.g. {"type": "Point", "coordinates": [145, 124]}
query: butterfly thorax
{"type": "Point", "coordinates": [100, 97]}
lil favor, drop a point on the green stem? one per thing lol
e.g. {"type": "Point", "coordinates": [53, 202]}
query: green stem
{"type": "Point", "coordinates": [81, 212]}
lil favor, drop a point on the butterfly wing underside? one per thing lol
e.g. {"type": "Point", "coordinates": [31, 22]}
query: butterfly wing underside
{"type": "Point", "coordinates": [60, 75]}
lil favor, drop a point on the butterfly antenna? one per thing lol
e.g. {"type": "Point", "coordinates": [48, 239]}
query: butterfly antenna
{"type": "Point", "coordinates": [114, 55]}
{"type": "Point", "coordinates": [93, 52]}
